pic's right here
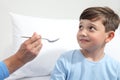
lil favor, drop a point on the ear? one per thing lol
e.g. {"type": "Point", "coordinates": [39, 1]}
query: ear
{"type": "Point", "coordinates": [109, 36]}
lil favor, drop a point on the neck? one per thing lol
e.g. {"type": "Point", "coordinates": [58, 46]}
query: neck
{"type": "Point", "coordinates": [93, 55]}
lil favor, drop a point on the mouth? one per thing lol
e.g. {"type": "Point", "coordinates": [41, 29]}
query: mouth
{"type": "Point", "coordinates": [83, 40]}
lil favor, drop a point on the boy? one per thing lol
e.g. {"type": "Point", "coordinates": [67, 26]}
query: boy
{"type": "Point", "coordinates": [96, 28]}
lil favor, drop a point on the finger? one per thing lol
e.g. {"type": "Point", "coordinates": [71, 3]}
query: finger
{"type": "Point", "coordinates": [37, 49]}
{"type": "Point", "coordinates": [36, 43]}
{"type": "Point", "coordinates": [33, 38]}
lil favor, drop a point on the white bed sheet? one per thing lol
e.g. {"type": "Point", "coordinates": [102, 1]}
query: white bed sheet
{"type": "Point", "coordinates": [31, 78]}
{"type": "Point", "coordinates": [36, 78]}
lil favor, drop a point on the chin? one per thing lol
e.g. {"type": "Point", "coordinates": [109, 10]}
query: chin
{"type": "Point", "coordinates": [84, 47]}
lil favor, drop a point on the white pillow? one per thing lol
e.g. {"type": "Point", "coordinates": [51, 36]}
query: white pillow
{"type": "Point", "coordinates": [63, 29]}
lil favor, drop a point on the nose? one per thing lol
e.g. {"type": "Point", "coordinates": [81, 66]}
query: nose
{"type": "Point", "coordinates": [82, 32]}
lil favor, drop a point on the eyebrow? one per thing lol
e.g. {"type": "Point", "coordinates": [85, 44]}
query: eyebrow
{"type": "Point", "coordinates": [80, 22]}
{"type": "Point", "coordinates": [92, 24]}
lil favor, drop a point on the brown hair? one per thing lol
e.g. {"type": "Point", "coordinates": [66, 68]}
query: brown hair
{"type": "Point", "coordinates": [109, 18]}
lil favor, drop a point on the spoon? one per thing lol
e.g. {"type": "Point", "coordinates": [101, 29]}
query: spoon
{"type": "Point", "coordinates": [43, 39]}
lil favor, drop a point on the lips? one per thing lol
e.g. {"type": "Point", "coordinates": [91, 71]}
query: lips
{"type": "Point", "coordinates": [83, 40]}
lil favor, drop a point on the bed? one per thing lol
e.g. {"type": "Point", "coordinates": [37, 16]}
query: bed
{"type": "Point", "coordinates": [30, 78]}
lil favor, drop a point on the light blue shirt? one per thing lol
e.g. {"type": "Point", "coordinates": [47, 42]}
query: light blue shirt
{"type": "Point", "coordinates": [74, 66]}
{"type": "Point", "coordinates": [4, 73]}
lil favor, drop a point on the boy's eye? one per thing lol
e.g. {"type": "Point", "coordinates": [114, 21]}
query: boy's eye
{"type": "Point", "coordinates": [80, 27]}
{"type": "Point", "coordinates": [91, 28]}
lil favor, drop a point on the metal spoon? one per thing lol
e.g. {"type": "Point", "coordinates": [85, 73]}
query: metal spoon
{"type": "Point", "coordinates": [43, 39]}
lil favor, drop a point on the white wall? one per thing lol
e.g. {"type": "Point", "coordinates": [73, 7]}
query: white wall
{"type": "Point", "coordinates": [69, 9]}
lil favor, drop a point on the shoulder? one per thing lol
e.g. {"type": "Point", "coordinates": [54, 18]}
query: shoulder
{"type": "Point", "coordinates": [70, 54]}
{"type": "Point", "coordinates": [112, 65]}
{"type": "Point", "coordinates": [66, 59]}
{"type": "Point", "coordinates": [111, 62]}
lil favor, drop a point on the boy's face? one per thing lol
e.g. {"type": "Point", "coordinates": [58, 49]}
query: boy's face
{"type": "Point", "coordinates": [91, 35]}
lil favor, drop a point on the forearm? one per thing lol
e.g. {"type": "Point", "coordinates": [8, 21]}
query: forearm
{"type": "Point", "coordinates": [13, 63]}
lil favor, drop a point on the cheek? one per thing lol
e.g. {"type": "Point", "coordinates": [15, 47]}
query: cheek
{"type": "Point", "coordinates": [98, 38]}
{"type": "Point", "coordinates": [77, 35]}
